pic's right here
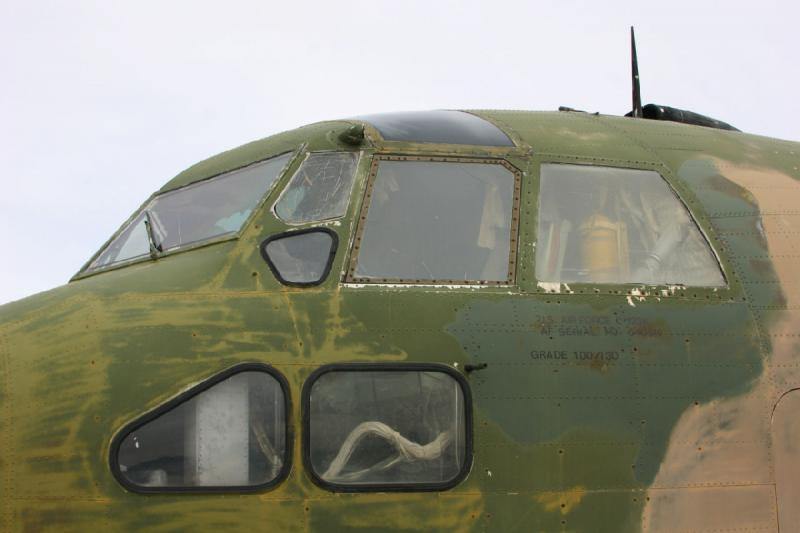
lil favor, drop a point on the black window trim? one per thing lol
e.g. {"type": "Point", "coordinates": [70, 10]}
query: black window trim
{"type": "Point", "coordinates": [514, 234]}
{"type": "Point", "coordinates": [290, 233]}
{"type": "Point", "coordinates": [187, 395]}
{"type": "Point", "coordinates": [388, 367]}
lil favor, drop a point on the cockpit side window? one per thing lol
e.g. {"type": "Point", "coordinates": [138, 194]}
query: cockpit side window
{"type": "Point", "coordinates": [319, 190]}
{"type": "Point", "coordinates": [379, 427]}
{"type": "Point", "coordinates": [199, 212]}
{"type": "Point", "coordinates": [437, 220]}
{"type": "Point", "coordinates": [616, 226]}
{"type": "Point", "coordinates": [300, 258]}
{"type": "Point", "coordinates": [228, 434]}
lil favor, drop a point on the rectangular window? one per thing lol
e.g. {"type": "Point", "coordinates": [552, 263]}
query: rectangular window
{"type": "Point", "coordinates": [618, 225]}
{"type": "Point", "coordinates": [377, 427]}
{"type": "Point", "coordinates": [438, 220]}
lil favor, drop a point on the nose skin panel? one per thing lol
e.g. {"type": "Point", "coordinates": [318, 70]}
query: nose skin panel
{"type": "Point", "coordinates": [53, 413]}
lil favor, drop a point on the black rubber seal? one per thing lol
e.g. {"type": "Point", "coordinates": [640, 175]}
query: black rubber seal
{"type": "Point", "coordinates": [187, 395]}
{"type": "Point", "coordinates": [387, 367]}
{"type": "Point", "coordinates": [328, 264]}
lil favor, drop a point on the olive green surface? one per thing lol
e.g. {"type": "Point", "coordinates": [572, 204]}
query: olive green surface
{"type": "Point", "coordinates": [572, 443]}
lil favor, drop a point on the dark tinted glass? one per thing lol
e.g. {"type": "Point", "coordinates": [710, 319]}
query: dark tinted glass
{"type": "Point", "coordinates": [451, 127]}
{"type": "Point", "coordinates": [230, 435]}
{"type": "Point", "coordinates": [387, 427]}
{"type": "Point", "coordinates": [300, 258]}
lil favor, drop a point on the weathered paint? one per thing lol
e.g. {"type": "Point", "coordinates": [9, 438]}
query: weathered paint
{"type": "Point", "coordinates": [786, 443]}
{"type": "Point", "coordinates": [670, 428]}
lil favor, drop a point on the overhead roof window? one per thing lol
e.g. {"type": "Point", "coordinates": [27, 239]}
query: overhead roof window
{"type": "Point", "coordinates": [442, 126]}
{"type": "Point", "coordinates": [618, 225]}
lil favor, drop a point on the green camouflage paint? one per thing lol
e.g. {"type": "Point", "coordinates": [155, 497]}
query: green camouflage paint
{"type": "Point", "coordinates": [603, 408]}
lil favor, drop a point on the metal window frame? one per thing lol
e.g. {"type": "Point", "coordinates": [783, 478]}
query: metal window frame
{"type": "Point", "coordinates": [86, 270]}
{"type": "Point", "coordinates": [352, 264]}
{"type": "Point", "coordinates": [694, 221]}
{"type": "Point", "coordinates": [285, 189]}
{"type": "Point", "coordinates": [388, 367]}
{"type": "Point", "coordinates": [291, 233]}
{"type": "Point", "coordinates": [169, 405]}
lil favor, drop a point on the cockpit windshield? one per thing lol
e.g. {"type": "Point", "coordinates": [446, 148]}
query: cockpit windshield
{"type": "Point", "coordinates": [199, 212]}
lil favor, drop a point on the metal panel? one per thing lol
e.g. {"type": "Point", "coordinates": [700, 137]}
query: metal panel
{"type": "Point", "coordinates": [786, 441]}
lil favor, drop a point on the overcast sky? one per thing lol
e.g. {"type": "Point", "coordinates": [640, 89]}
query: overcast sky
{"type": "Point", "coordinates": [104, 101]}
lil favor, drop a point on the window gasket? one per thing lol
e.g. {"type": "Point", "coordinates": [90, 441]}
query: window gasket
{"type": "Point", "coordinates": [387, 367]}
{"type": "Point", "coordinates": [136, 423]}
{"type": "Point", "coordinates": [365, 204]}
{"type": "Point", "coordinates": [290, 233]}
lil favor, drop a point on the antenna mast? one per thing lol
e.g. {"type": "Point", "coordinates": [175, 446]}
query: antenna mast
{"type": "Point", "coordinates": [662, 112]}
{"type": "Point", "coordinates": [637, 96]}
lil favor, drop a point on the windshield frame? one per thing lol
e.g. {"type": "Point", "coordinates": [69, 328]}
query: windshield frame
{"type": "Point", "coordinates": [86, 270]}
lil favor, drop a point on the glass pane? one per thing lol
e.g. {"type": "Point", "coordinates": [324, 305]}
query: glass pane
{"type": "Point", "coordinates": [319, 190]}
{"type": "Point", "coordinates": [132, 242]}
{"type": "Point", "coordinates": [451, 127]}
{"type": "Point", "coordinates": [199, 212]}
{"type": "Point", "coordinates": [616, 225]}
{"type": "Point", "coordinates": [232, 434]}
{"type": "Point", "coordinates": [438, 221]}
{"type": "Point", "coordinates": [387, 427]}
{"type": "Point", "coordinates": [301, 258]}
